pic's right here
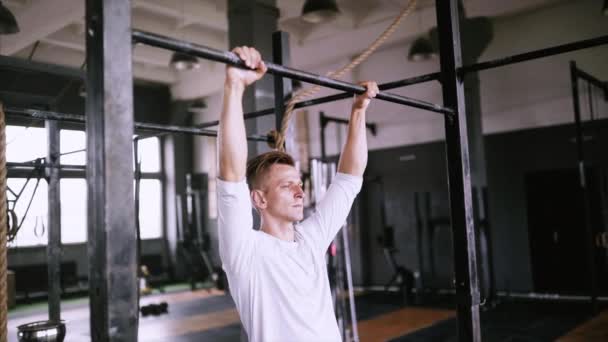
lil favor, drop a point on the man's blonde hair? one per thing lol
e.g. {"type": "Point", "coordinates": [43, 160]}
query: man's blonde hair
{"type": "Point", "coordinates": [258, 166]}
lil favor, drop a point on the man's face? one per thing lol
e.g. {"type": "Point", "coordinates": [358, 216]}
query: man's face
{"type": "Point", "coordinates": [283, 194]}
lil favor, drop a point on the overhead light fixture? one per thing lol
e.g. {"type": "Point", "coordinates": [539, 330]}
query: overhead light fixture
{"type": "Point", "coordinates": [421, 50]}
{"type": "Point", "coordinates": [182, 61]}
{"type": "Point", "coordinates": [605, 9]}
{"type": "Point", "coordinates": [8, 23]}
{"type": "Point", "coordinates": [317, 11]}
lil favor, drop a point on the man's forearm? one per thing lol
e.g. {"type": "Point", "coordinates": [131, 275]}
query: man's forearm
{"type": "Point", "coordinates": [232, 140]}
{"type": "Point", "coordinates": [353, 159]}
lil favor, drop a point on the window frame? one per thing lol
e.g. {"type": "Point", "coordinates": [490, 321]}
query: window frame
{"type": "Point", "coordinates": [23, 173]}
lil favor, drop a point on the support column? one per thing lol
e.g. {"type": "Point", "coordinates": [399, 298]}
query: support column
{"type": "Point", "coordinates": [53, 249]}
{"type": "Point", "coordinates": [459, 177]}
{"type": "Point", "coordinates": [282, 88]}
{"type": "Point", "coordinates": [112, 243]}
{"type": "Point", "coordinates": [252, 23]}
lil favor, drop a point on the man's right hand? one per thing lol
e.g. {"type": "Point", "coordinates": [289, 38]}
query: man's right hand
{"type": "Point", "coordinates": [242, 77]}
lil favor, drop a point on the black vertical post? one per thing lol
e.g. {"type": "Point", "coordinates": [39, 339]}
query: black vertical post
{"type": "Point", "coordinates": [461, 205]}
{"type": "Point", "coordinates": [282, 86]}
{"type": "Point", "coordinates": [53, 249]}
{"type": "Point", "coordinates": [578, 124]}
{"type": "Point", "coordinates": [113, 289]}
{"type": "Point", "coordinates": [323, 124]}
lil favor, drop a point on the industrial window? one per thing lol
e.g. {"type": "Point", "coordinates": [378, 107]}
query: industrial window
{"type": "Point", "coordinates": [25, 144]}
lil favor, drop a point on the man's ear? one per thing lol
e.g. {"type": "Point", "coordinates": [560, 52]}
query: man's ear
{"type": "Point", "coordinates": [258, 199]}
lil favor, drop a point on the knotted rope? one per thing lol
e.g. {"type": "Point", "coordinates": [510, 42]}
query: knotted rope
{"type": "Point", "coordinates": [279, 137]}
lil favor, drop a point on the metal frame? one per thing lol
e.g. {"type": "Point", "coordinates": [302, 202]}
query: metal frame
{"type": "Point", "coordinates": [111, 215]}
{"type": "Point", "coordinates": [139, 126]}
{"type": "Point", "coordinates": [459, 177]}
{"type": "Point", "coordinates": [54, 222]}
{"type": "Point", "coordinates": [575, 75]}
{"type": "Point", "coordinates": [324, 120]}
{"type": "Point", "coordinates": [451, 77]}
{"type": "Point", "coordinates": [113, 283]}
{"type": "Point", "coordinates": [230, 58]}
{"type": "Point", "coordinates": [330, 98]}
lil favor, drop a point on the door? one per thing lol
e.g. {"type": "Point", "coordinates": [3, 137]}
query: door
{"type": "Point", "coordinates": [557, 236]}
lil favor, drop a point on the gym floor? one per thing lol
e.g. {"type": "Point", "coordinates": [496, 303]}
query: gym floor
{"type": "Point", "coordinates": [210, 315]}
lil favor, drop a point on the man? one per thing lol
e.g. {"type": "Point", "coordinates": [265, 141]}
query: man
{"type": "Point", "coordinates": [277, 276]}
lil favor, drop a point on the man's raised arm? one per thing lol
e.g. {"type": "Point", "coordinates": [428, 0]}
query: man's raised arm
{"type": "Point", "coordinates": [353, 159]}
{"type": "Point", "coordinates": [232, 139]}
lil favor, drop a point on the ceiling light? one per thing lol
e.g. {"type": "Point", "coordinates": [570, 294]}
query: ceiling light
{"type": "Point", "coordinates": [182, 61]}
{"type": "Point", "coordinates": [317, 11]}
{"type": "Point", "coordinates": [8, 23]}
{"type": "Point", "coordinates": [421, 50]}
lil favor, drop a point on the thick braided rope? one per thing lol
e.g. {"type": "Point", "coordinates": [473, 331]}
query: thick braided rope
{"type": "Point", "coordinates": [279, 137]}
{"type": "Point", "coordinates": [3, 230]}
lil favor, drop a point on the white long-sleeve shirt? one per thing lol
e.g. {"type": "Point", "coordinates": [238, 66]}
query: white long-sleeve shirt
{"type": "Point", "coordinates": [280, 288]}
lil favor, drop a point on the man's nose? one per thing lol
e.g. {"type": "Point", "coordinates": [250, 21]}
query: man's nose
{"type": "Point", "coordinates": [299, 192]}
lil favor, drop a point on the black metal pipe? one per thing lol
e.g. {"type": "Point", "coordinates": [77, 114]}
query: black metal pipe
{"type": "Point", "coordinates": [31, 165]}
{"type": "Point", "coordinates": [280, 55]}
{"type": "Point", "coordinates": [585, 194]}
{"type": "Point", "coordinates": [555, 50]}
{"type": "Point", "coordinates": [593, 80]}
{"type": "Point", "coordinates": [323, 151]}
{"type": "Point", "coordinates": [327, 119]}
{"type": "Point", "coordinates": [464, 234]}
{"type": "Point", "coordinates": [49, 115]}
{"type": "Point", "coordinates": [230, 58]}
{"type": "Point", "coordinates": [335, 97]}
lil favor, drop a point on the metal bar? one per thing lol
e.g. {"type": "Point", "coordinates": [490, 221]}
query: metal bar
{"type": "Point", "coordinates": [331, 98]}
{"type": "Point", "coordinates": [53, 248]}
{"type": "Point", "coordinates": [228, 57]}
{"type": "Point", "coordinates": [31, 165]}
{"type": "Point", "coordinates": [323, 124]}
{"type": "Point", "coordinates": [327, 119]}
{"type": "Point", "coordinates": [459, 177]}
{"type": "Point", "coordinates": [591, 79]}
{"type": "Point", "coordinates": [12, 63]}
{"type": "Point", "coordinates": [410, 81]}
{"type": "Point", "coordinates": [585, 194]}
{"type": "Point", "coordinates": [555, 50]}
{"type": "Point", "coordinates": [349, 283]}
{"type": "Point", "coordinates": [140, 126]}
{"type": "Point", "coordinates": [113, 285]}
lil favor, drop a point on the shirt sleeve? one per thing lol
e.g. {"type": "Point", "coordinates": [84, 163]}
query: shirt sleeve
{"type": "Point", "coordinates": [235, 225]}
{"type": "Point", "coordinates": [331, 212]}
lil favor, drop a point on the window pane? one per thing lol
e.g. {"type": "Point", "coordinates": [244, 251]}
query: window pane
{"type": "Point", "coordinates": [25, 143]}
{"type": "Point", "coordinates": [150, 209]}
{"type": "Point", "coordinates": [73, 141]}
{"type": "Point", "coordinates": [73, 210]}
{"type": "Point", "coordinates": [149, 154]}
{"type": "Point", "coordinates": [34, 228]}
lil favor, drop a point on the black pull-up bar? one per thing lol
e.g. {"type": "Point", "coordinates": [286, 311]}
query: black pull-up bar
{"type": "Point", "coordinates": [230, 58]}
{"type": "Point", "coordinates": [331, 98]}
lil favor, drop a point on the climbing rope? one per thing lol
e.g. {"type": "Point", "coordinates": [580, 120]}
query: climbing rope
{"type": "Point", "coordinates": [279, 137]}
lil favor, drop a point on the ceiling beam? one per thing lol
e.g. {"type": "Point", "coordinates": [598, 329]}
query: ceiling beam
{"type": "Point", "coordinates": [187, 12]}
{"type": "Point", "coordinates": [69, 40]}
{"type": "Point", "coordinates": [40, 19]}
